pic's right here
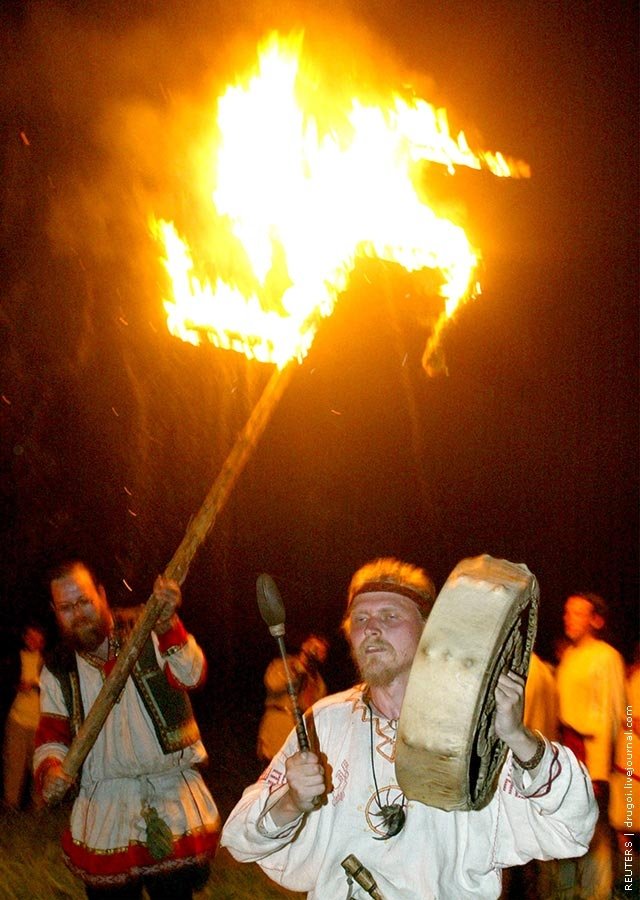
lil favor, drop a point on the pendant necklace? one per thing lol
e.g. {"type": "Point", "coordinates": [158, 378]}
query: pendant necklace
{"type": "Point", "coordinates": [393, 815]}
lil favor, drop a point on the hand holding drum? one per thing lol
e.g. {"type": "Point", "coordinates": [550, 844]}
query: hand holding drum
{"type": "Point", "coordinates": [482, 625]}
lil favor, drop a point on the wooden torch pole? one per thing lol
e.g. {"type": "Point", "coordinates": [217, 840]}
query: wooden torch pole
{"type": "Point", "coordinates": [177, 568]}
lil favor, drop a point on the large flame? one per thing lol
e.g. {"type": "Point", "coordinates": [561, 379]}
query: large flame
{"type": "Point", "coordinates": [303, 185]}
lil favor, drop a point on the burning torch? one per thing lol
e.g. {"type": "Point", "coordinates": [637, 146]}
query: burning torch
{"type": "Point", "coordinates": [369, 228]}
{"type": "Point", "coordinates": [197, 530]}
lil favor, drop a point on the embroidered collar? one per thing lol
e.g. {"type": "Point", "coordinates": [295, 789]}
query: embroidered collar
{"type": "Point", "coordinates": [113, 648]}
{"type": "Point", "coordinates": [392, 815]}
{"type": "Point", "coordinates": [372, 710]}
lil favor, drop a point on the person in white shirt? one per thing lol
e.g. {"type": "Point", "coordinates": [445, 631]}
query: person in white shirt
{"type": "Point", "coordinates": [309, 811]}
{"type": "Point", "coordinates": [591, 692]}
{"type": "Point", "coordinates": [143, 818]}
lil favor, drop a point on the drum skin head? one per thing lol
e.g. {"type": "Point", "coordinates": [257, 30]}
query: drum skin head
{"type": "Point", "coordinates": [483, 623]}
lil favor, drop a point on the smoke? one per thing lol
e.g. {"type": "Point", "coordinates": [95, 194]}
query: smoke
{"type": "Point", "coordinates": [113, 430]}
{"type": "Point", "coordinates": [106, 109]}
{"type": "Point", "coordinates": [119, 98]}
{"type": "Point", "coordinates": [110, 108]}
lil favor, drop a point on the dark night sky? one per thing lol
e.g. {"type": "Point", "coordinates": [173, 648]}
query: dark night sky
{"type": "Point", "coordinates": [528, 450]}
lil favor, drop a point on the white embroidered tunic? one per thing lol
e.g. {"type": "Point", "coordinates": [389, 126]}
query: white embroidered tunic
{"type": "Point", "coordinates": [456, 855]}
{"type": "Point", "coordinates": [125, 773]}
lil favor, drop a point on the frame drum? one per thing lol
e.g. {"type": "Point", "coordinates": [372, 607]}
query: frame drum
{"type": "Point", "coordinates": [482, 623]}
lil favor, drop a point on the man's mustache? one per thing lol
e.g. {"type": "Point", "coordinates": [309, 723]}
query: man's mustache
{"type": "Point", "coordinates": [378, 644]}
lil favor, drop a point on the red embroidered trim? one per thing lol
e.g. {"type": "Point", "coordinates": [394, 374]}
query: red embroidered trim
{"type": "Point", "coordinates": [176, 683]}
{"type": "Point", "coordinates": [176, 636]}
{"type": "Point", "coordinates": [555, 768]}
{"type": "Point", "coordinates": [53, 729]}
{"type": "Point", "coordinates": [109, 666]}
{"type": "Point", "coordinates": [91, 864]}
{"type": "Point", "coordinates": [203, 674]}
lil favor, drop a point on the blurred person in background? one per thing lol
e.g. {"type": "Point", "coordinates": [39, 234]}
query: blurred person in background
{"type": "Point", "coordinates": [278, 718]}
{"type": "Point", "coordinates": [541, 699]}
{"type": "Point", "coordinates": [22, 720]}
{"type": "Point", "coordinates": [591, 691]}
{"type": "Point", "coordinates": [537, 878]}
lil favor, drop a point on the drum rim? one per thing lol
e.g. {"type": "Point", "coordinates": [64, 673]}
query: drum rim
{"type": "Point", "coordinates": [475, 784]}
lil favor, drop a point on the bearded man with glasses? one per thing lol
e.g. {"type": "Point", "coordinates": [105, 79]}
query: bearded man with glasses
{"type": "Point", "coordinates": [142, 817]}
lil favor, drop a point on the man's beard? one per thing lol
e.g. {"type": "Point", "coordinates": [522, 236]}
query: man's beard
{"type": "Point", "coordinates": [376, 671]}
{"type": "Point", "coordinates": [87, 636]}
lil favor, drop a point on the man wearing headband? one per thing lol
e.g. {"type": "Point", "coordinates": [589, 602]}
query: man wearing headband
{"type": "Point", "coordinates": [310, 811]}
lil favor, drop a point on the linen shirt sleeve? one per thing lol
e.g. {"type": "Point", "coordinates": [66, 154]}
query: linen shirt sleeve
{"type": "Point", "coordinates": [53, 734]}
{"type": "Point", "coordinates": [550, 816]}
{"type": "Point", "coordinates": [181, 657]}
{"type": "Point", "coordinates": [251, 835]}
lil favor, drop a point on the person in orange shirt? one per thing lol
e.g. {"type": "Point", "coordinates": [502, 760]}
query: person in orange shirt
{"type": "Point", "coordinates": [278, 718]}
{"type": "Point", "coordinates": [22, 721]}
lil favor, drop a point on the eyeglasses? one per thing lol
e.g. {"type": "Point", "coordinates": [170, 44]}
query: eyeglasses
{"type": "Point", "coordinates": [66, 609]}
